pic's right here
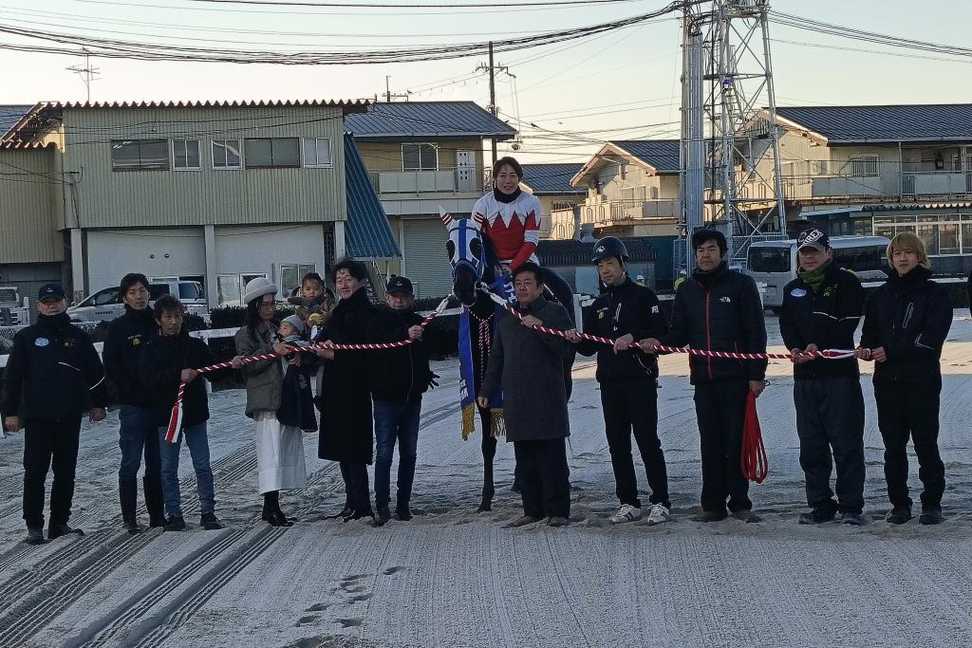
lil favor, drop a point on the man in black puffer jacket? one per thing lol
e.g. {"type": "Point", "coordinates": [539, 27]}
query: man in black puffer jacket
{"type": "Point", "coordinates": [137, 433]}
{"type": "Point", "coordinates": [718, 309]}
{"type": "Point", "coordinates": [905, 325]}
{"type": "Point", "coordinates": [821, 310]}
{"type": "Point", "coordinates": [53, 376]}
{"type": "Point", "coordinates": [626, 312]}
{"type": "Point", "coordinates": [398, 379]}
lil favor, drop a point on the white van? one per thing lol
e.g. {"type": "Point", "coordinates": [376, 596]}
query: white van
{"type": "Point", "coordinates": [773, 264]}
{"type": "Point", "coordinates": [105, 304]}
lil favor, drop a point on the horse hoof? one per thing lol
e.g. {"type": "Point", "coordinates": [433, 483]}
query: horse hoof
{"type": "Point", "coordinates": [485, 505]}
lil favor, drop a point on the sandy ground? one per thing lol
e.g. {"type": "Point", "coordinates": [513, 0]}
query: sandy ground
{"type": "Point", "coordinates": [453, 577]}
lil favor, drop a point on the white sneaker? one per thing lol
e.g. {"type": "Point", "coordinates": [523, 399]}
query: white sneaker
{"type": "Point", "coordinates": [658, 514]}
{"type": "Point", "coordinates": [626, 513]}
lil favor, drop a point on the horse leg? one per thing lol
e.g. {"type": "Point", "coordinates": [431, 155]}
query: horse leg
{"type": "Point", "coordinates": [489, 453]}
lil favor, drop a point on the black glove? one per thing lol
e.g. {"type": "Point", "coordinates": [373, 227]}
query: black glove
{"type": "Point", "coordinates": [433, 380]}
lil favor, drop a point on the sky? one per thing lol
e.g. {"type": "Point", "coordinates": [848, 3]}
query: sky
{"type": "Point", "coordinates": [622, 85]}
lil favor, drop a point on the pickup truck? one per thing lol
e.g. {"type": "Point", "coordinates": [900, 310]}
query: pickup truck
{"type": "Point", "coordinates": [105, 304]}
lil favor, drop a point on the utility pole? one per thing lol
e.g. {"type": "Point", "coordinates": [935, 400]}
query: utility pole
{"type": "Point", "coordinates": [492, 93]}
{"type": "Point", "coordinates": [87, 74]}
{"type": "Point", "coordinates": [388, 88]}
{"type": "Point", "coordinates": [389, 95]}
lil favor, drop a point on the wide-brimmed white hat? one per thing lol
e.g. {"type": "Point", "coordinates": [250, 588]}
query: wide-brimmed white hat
{"type": "Point", "coordinates": [258, 287]}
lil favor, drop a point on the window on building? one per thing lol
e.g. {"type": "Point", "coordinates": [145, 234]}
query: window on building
{"type": "Point", "coordinates": [966, 238]}
{"type": "Point", "coordinates": [226, 154]}
{"type": "Point", "coordinates": [864, 166]}
{"type": "Point", "coordinates": [140, 155]}
{"type": "Point", "coordinates": [929, 236]}
{"type": "Point", "coordinates": [948, 238]}
{"type": "Point", "coordinates": [272, 153]}
{"type": "Point", "coordinates": [420, 157]}
{"type": "Point", "coordinates": [292, 273]}
{"type": "Point", "coordinates": [317, 152]}
{"type": "Point", "coordinates": [185, 154]}
{"type": "Point", "coordinates": [228, 290]}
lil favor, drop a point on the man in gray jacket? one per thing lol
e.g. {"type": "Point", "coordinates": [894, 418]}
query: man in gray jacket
{"type": "Point", "coordinates": [529, 366]}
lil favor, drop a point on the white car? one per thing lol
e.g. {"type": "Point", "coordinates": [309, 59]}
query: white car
{"type": "Point", "coordinates": [105, 305]}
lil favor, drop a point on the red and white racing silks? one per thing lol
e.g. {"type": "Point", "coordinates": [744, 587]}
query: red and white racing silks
{"type": "Point", "coordinates": [512, 228]}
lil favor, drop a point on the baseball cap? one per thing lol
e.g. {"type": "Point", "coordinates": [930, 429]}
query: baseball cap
{"type": "Point", "coordinates": [813, 237]}
{"type": "Point", "coordinates": [50, 291]}
{"type": "Point", "coordinates": [398, 284]}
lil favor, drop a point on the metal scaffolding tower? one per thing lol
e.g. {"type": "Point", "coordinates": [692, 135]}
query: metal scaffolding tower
{"type": "Point", "coordinates": [730, 150]}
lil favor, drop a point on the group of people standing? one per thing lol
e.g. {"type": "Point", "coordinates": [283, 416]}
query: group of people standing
{"type": "Point", "coordinates": [372, 400]}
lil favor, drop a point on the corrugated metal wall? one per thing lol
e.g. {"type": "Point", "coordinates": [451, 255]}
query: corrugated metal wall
{"type": "Point", "coordinates": [206, 196]}
{"type": "Point", "coordinates": [30, 207]}
{"type": "Point", "coordinates": [426, 263]}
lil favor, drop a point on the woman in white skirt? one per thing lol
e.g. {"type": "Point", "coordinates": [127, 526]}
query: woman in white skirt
{"type": "Point", "coordinates": [280, 448]}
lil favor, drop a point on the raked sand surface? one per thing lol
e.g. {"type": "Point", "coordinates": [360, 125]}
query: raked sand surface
{"type": "Point", "coordinates": [455, 578]}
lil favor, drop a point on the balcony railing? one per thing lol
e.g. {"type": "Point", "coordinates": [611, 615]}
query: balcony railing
{"type": "Point", "coordinates": [415, 182]}
{"type": "Point", "coordinates": [627, 211]}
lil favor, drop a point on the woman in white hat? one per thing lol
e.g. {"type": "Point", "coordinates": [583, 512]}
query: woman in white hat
{"type": "Point", "coordinates": [280, 448]}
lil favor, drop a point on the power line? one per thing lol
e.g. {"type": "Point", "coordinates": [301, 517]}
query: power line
{"type": "Point", "coordinates": [64, 43]}
{"type": "Point", "coordinates": [293, 3]}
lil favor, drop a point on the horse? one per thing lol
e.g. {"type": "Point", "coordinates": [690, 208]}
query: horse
{"type": "Point", "coordinates": [474, 269]}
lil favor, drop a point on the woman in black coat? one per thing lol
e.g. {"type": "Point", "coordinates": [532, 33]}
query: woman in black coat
{"type": "Point", "coordinates": [346, 424]}
{"type": "Point", "coordinates": [905, 325]}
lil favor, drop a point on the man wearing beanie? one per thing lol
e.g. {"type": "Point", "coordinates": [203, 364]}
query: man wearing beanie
{"type": "Point", "coordinates": [718, 309]}
{"type": "Point", "coordinates": [821, 310]}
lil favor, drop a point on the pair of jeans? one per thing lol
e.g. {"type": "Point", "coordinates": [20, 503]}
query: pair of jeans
{"type": "Point", "coordinates": [632, 406]}
{"type": "Point", "coordinates": [197, 440]}
{"type": "Point", "coordinates": [396, 421]}
{"type": "Point", "coordinates": [544, 477]}
{"type": "Point", "coordinates": [720, 408]}
{"type": "Point", "coordinates": [830, 424]}
{"type": "Point", "coordinates": [910, 410]}
{"type": "Point", "coordinates": [49, 445]}
{"type": "Point", "coordinates": [138, 433]}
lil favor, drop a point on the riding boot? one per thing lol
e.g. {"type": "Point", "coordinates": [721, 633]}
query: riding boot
{"type": "Point", "coordinates": [128, 496]}
{"type": "Point", "coordinates": [153, 501]}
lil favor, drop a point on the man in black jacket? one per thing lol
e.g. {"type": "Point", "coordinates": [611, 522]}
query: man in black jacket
{"type": "Point", "coordinates": [821, 310]}
{"type": "Point", "coordinates": [398, 379]}
{"type": "Point", "coordinates": [137, 432]}
{"type": "Point", "coordinates": [905, 325]}
{"type": "Point", "coordinates": [718, 309]}
{"type": "Point", "coordinates": [626, 312]}
{"type": "Point", "coordinates": [53, 376]}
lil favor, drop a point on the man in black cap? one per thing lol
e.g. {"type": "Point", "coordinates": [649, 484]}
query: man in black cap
{"type": "Point", "coordinates": [821, 310]}
{"type": "Point", "coordinates": [719, 309]}
{"type": "Point", "coordinates": [626, 312]}
{"type": "Point", "coordinates": [53, 376]}
{"type": "Point", "coordinates": [398, 378]}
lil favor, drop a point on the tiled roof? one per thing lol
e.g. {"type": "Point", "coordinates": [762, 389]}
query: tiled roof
{"type": "Point", "coordinates": [427, 119]}
{"type": "Point", "coordinates": [10, 114]}
{"type": "Point", "coordinates": [46, 111]}
{"type": "Point", "coordinates": [20, 145]}
{"type": "Point", "coordinates": [367, 234]}
{"type": "Point", "coordinates": [569, 252]}
{"type": "Point", "coordinates": [900, 123]}
{"type": "Point", "coordinates": [661, 154]}
{"type": "Point", "coordinates": [551, 178]}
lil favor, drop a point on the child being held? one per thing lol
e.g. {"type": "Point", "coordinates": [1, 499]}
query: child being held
{"type": "Point", "coordinates": [314, 302]}
{"type": "Point", "coordinates": [297, 401]}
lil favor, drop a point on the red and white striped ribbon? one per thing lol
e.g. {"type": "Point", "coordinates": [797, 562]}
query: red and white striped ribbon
{"type": "Point", "coordinates": [828, 354]}
{"type": "Point", "coordinates": [174, 429]}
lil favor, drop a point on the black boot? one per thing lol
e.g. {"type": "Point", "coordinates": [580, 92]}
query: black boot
{"type": "Point", "coordinates": [152, 488]}
{"type": "Point", "coordinates": [271, 510]}
{"type": "Point", "coordinates": [128, 496]}
{"type": "Point", "coordinates": [282, 520]}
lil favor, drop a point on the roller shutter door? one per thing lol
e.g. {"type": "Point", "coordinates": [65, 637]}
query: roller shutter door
{"type": "Point", "coordinates": [426, 263]}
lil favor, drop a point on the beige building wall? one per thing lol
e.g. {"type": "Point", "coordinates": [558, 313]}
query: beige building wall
{"type": "Point", "coordinates": [30, 206]}
{"type": "Point", "coordinates": [207, 196]}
